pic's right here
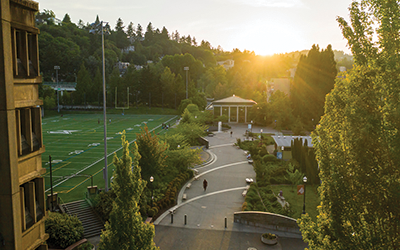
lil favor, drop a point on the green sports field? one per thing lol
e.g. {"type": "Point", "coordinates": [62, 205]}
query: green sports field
{"type": "Point", "coordinates": [76, 145]}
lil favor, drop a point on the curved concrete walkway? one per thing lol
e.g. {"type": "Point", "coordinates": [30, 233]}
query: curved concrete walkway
{"type": "Point", "coordinates": [205, 211]}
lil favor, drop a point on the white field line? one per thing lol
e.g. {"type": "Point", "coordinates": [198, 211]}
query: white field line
{"type": "Point", "coordinates": [80, 171]}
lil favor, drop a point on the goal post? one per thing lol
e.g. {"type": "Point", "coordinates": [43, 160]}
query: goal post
{"type": "Point", "coordinates": [116, 99]}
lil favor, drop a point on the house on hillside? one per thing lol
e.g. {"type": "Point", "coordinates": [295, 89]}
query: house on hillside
{"type": "Point", "coordinates": [227, 64]}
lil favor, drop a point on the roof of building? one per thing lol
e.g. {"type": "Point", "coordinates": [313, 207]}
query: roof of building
{"type": "Point", "coordinates": [286, 141]}
{"type": "Point", "coordinates": [234, 100]}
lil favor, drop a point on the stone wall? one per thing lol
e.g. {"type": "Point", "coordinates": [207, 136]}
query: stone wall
{"type": "Point", "coordinates": [267, 220]}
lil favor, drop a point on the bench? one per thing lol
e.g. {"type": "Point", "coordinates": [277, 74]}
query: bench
{"type": "Point", "coordinates": [196, 177]}
{"type": "Point", "coordinates": [184, 197]}
{"type": "Point", "coordinates": [244, 193]}
{"type": "Point", "coordinates": [73, 246]}
{"type": "Point", "coordinates": [189, 185]}
{"type": "Point", "coordinates": [172, 211]}
{"type": "Point", "coordinates": [148, 220]}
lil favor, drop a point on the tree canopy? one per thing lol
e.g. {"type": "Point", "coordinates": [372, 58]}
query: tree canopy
{"type": "Point", "coordinates": [357, 142]}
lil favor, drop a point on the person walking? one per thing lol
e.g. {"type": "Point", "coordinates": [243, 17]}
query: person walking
{"type": "Point", "coordinates": [231, 133]}
{"type": "Point", "coordinates": [205, 183]}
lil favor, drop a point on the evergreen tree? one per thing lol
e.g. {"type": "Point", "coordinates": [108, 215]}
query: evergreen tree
{"type": "Point", "coordinates": [357, 142]}
{"type": "Point", "coordinates": [67, 19]}
{"type": "Point", "coordinates": [314, 79]}
{"type": "Point", "coordinates": [139, 31]}
{"type": "Point", "coordinates": [126, 230]}
{"type": "Point", "coordinates": [131, 30]}
{"type": "Point", "coordinates": [83, 86]}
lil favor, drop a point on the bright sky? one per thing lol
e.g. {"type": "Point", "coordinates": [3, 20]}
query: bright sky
{"type": "Point", "coordinates": [263, 26]}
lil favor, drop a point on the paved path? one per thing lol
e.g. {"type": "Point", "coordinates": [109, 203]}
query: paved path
{"type": "Point", "coordinates": [206, 211]}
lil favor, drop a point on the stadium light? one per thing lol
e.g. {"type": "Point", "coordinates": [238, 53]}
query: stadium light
{"type": "Point", "coordinates": [95, 30]}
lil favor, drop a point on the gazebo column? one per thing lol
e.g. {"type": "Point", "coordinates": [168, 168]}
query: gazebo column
{"type": "Point", "coordinates": [220, 111]}
{"type": "Point", "coordinates": [237, 114]}
{"type": "Point", "coordinates": [229, 113]}
{"type": "Point", "coordinates": [245, 114]}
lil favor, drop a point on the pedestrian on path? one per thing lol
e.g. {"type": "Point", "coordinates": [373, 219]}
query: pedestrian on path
{"type": "Point", "coordinates": [205, 183]}
{"type": "Point", "coordinates": [231, 133]}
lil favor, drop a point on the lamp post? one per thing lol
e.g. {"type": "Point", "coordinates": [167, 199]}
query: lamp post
{"type": "Point", "coordinates": [187, 88]}
{"type": "Point", "coordinates": [105, 169]}
{"type": "Point", "coordinates": [261, 134]}
{"type": "Point", "coordinates": [304, 202]}
{"type": "Point", "coordinates": [151, 181]}
{"type": "Point", "coordinates": [58, 100]}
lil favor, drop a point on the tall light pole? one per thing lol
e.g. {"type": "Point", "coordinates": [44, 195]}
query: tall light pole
{"type": "Point", "coordinates": [261, 135]}
{"type": "Point", "coordinates": [151, 181]}
{"type": "Point", "coordinates": [58, 100]}
{"type": "Point", "coordinates": [187, 88]}
{"type": "Point", "coordinates": [304, 202]}
{"type": "Point", "coordinates": [105, 169]}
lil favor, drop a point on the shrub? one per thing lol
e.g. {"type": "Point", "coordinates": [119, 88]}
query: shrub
{"type": "Point", "coordinates": [222, 118]}
{"type": "Point", "coordinates": [155, 210]}
{"type": "Point", "coordinates": [269, 158]}
{"type": "Point", "coordinates": [150, 212]}
{"type": "Point", "coordinates": [63, 229]}
{"type": "Point", "coordinates": [86, 246]}
{"type": "Point", "coordinates": [244, 206]}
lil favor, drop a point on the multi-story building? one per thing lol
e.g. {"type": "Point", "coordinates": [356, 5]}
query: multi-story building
{"type": "Point", "coordinates": [22, 196]}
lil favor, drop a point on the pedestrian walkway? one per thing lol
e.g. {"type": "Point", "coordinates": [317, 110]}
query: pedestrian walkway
{"type": "Point", "coordinates": [204, 220]}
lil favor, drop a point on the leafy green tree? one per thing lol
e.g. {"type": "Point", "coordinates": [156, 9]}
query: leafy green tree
{"type": "Point", "coordinates": [294, 176]}
{"type": "Point", "coordinates": [152, 159]}
{"type": "Point", "coordinates": [280, 110]}
{"type": "Point", "coordinates": [192, 131]}
{"type": "Point", "coordinates": [357, 142]}
{"type": "Point", "coordinates": [180, 156]}
{"type": "Point", "coordinates": [183, 105]}
{"type": "Point", "coordinates": [126, 228]}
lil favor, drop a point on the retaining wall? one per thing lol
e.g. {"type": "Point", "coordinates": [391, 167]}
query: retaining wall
{"type": "Point", "coordinates": [267, 220]}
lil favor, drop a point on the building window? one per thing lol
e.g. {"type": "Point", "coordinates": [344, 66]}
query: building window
{"type": "Point", "coordinates": [32, 202]}
{"type": "Point", "coordinates": [25, 53]}
{"type": "Point", "coordinates": [29, 130]}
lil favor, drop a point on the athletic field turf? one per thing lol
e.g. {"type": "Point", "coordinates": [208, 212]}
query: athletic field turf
{"type": "Point", "coordinates": [76, 145]}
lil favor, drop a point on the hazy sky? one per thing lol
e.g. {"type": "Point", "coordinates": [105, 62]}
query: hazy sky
{"type": "Point", "coordinates": [263, 26]}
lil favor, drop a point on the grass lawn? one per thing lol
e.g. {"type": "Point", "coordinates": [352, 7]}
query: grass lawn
{"type": "Point", "coordinates": [76, 145]}
{"type": "Point", "coordinates": [296, 201]}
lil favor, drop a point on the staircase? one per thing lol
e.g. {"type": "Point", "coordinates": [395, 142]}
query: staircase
{"type": "Point", "coordinates": [92, 225]}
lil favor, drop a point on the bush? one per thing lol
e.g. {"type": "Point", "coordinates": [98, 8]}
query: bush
{"type": "Point", "coordinates": [222, 118]}
{"type": "Point", "coordinates": [85, 246]}
{"type": "Point", "coordinates": [269, 158]}
{"type": "Point", "coordinates": [63, 229]}
{"type": "Point", "coordinates": [244, 206]}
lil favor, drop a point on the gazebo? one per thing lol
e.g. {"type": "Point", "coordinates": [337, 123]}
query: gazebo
{"type": "Point", "coordinates": [234, 107]}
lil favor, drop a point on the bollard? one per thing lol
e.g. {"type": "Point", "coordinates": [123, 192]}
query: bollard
{"type": "Point", "coordinates": [185, 219]}
{"type": "Point", "coordinates": [226, 222]}
{"type": "Point", "coordinates": [172, 218]}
